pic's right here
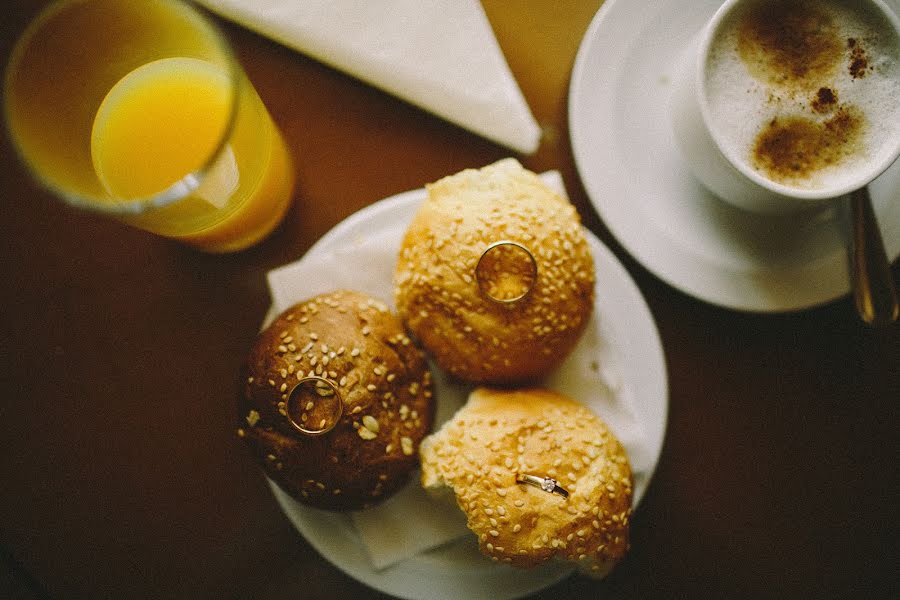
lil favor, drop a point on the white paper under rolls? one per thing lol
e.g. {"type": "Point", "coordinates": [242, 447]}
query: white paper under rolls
{"type": "Point", "coordinates": [412, 522]}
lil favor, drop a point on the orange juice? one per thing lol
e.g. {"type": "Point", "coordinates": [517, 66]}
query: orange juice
{"type": "Point", "coordinates": [170, 118]}
{"type": "Point", "coordinates": [138, 110]}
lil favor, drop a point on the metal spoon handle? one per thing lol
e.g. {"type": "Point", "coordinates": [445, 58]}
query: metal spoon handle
{"type": "Point", "coordinates": [873, 286]}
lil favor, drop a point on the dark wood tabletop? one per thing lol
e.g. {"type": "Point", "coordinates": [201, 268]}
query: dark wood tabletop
{"type": "Point", "coordinates": [120, 472]}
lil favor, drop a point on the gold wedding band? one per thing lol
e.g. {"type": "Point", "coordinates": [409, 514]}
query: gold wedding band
{"type": "Point", "coordinates": [322, 388]}
{"type": "Point", "coordinates": [548, 484]}
{"type": "Point", "coordinates": [482, 286]}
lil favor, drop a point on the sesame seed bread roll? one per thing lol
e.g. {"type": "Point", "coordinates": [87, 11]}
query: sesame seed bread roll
{"type": "Point", "coordinates": [500, 434]}
{"type": "Point", "coordinates": [442, 302]}
{"type": "Point", "coordinates": [355, 343]}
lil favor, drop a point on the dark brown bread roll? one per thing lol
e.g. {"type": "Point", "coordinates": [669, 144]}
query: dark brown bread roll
{"type": "Point", "coordinates": [364, 358]}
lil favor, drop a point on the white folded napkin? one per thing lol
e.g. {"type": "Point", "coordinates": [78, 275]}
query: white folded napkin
{"type": "Point", "coordinates": [440, 55]}
{"type": "Point", "coordinates": [412, 522]}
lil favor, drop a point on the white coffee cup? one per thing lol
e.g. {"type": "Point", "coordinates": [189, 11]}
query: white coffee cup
{"type": "Point", "coordinates": [729, 133]}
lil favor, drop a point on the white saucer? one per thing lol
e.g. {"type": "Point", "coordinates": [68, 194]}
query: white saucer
{"type": "Point", "coordinates": [643, 191]}
{"type": "Point", "coordinates": [624, 338]}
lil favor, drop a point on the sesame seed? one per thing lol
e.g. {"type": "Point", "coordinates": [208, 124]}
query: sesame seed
{"type": "Point", "coordinates": [494, 533]}
{"type": "Point", "coordinates": [517, 528]}
{"type": "Point", "coordinates": [366, 330]}
{"type": "Point", "coordinates": [366, 433]}
{"type": "Point", "coordinates": [252, 418]}
{"type": "Point", "coordinates": [370, 422]}
{"type": "Point", "coordinates": [354, 352]}
{"type": "Point", "coordinates": [371, 387]}
{"type": "Point", "coordinates": [501, 492]}
{"type": "Point", "coordinates": [407, 445]}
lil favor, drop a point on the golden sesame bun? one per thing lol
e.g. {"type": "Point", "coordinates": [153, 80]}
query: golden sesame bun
{"type": "Point", "coordinates": [438, 295]}
{"type": "Point", "coordinates": [354, 342]}
{"type": "Point", "coordinates": [500, 434]}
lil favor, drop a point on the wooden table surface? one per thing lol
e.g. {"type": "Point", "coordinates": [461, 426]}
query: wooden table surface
{"type": "Point", "coordinates": [121, 476]}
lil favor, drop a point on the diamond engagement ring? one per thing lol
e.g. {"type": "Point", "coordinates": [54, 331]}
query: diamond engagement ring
{"type": "Point", "coordinates": [548, 484]}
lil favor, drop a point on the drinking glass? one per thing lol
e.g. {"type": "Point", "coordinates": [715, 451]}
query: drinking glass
{"type": "Point", "coordinates": [139, 110]}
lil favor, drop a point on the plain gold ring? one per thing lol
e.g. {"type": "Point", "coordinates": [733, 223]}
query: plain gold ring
{"type": "Point", "coordinates": [482, 286]}
{"type": "Point", "coordinates": [325, 425]}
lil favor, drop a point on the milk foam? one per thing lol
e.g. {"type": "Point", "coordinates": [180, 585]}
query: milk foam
{"type": "Point", "coordinates": [741, 105]}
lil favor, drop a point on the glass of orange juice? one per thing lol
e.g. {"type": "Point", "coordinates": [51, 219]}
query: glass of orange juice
{"type": "Point", "coordinates": [140, 110]}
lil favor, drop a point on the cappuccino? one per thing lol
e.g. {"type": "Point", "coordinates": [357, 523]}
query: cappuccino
{"type": "Point", "coordinates": [805, 93]}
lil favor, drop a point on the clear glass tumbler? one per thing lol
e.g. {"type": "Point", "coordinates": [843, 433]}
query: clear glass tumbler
{"type": "Point", "coordinates": [139, 110]}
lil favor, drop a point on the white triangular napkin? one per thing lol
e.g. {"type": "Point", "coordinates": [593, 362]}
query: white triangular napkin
{"type": "Point", "coordinates": [440, 55]}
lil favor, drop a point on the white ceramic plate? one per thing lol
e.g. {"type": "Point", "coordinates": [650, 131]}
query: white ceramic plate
{"type": "Point", "coordinates": [628, 162]}
{"type": "Point", "coordinates": [457, 570]}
